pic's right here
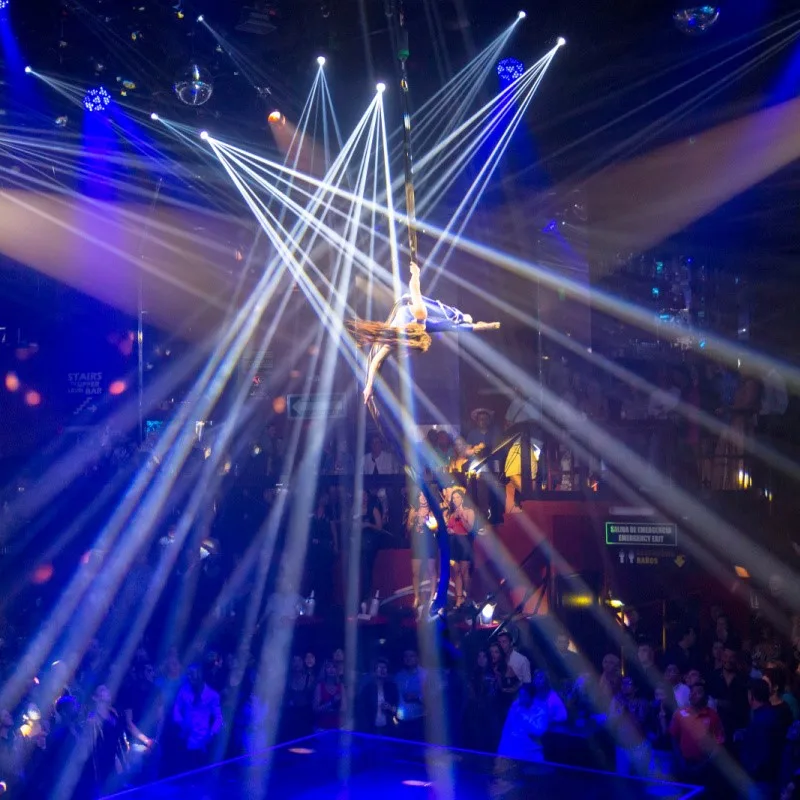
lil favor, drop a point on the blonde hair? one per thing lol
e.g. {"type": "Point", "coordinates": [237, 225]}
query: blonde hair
{"type": "Point", "coordinates": [368, 333]}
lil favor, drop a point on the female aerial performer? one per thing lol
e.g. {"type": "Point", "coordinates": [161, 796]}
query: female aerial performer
{"type": "Point", "coordinates": [410, 324]}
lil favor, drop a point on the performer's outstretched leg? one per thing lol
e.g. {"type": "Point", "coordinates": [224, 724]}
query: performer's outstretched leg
{"type": "Point", "coordinates": [418, 308]}
{"type": "Point", "coordinates": [375, 362]}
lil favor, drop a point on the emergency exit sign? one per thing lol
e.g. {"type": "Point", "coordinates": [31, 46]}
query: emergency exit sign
{"type": "Point", "coordinates": [641, 534]}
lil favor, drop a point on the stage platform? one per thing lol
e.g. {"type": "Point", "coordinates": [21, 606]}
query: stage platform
{"type": "Point", "coordinates": [339, 766]}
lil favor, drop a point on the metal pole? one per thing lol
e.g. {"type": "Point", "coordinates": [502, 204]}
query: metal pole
{"type": "Point", "coordinates": [403, 52]}
{"type": "Point", "coordinates": [140, 311]}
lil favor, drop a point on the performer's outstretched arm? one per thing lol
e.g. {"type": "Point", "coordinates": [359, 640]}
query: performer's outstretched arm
{"type": "Point", "coordinates": [372, 370]}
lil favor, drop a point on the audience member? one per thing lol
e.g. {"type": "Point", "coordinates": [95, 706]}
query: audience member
{"type": "Point", "coordinates": [198, 715]}
{"type": "Point", "coordinates": [411, 712]}
{"type": "Point", "coordinates": [378, 461]}
{"type": "Point", "coordinates": [297, 716]}
{"type": "Point", "coordinates": [377, 702]}
{"type": "Point", "coordinates": [647, 671]}
{"type": "Point", "coordinates": [142, 706]}
{"type": "Point", "coordinates": [483, 710]}
{"type": "Point", "coordinates": [610, 679]}
{"type": "Point", "coordinates": [460, 527]}
{"type": "Point", "coordinates": [760, 744]}
{"type": "Point", "coordinates": [627, 716]}
{"type": "Point", "coordinates": [775, 679]}
{"type": "Point", "coordinates": [328, 699]}
{"type": "Point", "coordinates": [683, 654]}
{"type": "Point", "coordinates": [729, 688]}
{"type": "Point", "coordinates": [698, 735]}
{"type": "Point", "coordinates": [518, 663]}
{"type": "Point", "coordinates": [534, 711]}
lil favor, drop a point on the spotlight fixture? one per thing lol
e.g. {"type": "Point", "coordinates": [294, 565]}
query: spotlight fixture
{"type": "Point", "coordinates": [204, 135]}
{"type": "Point", "coordinates": [510, 70]}
{"type": "Point", "coordinates": [487, 613]}
{"type": "Point", "coordinates": [201, 18]}
{"type": "Point", "coordinates": [28, 70]}
{"type": "Point", "coordinates": [154, 117]}
{"type": "Point", "coordinates": [4, 4]}
{"type": "Point", "coordinates": [321, 60]}
{"type": "Point", "coordinates": [275, 118]}
{"type": "Point", "coordinates": [381, 87]}
{"type": "Point", "coordinates": [561, 41]}
{"type": "Point", "coordinates": [97, 99]}
{"type": "Point", "coordinates": [521, 14]}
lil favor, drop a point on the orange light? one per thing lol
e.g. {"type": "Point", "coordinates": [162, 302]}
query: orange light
{"type": "Point", "coordinates": [12, 382]}
{"type": "Point", "coordinates": [275, 117]}
{"type": "Point", "coordinates": [741, 572]}
{"type": "Point", "coordinates": [33, 398]}
{"type": "Point", "coordinates": [42, 574]}
{"type": "Point", "coordinates": [117, 387]}
{"type": "Point", "coordinates": [279, 405]}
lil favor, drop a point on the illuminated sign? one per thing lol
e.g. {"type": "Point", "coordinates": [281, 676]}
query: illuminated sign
{"type": "Point", "coordinates": [652, 534]}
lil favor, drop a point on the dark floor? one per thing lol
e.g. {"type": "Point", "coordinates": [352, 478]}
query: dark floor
{"type": "Point", "coordinates": [337, 766]}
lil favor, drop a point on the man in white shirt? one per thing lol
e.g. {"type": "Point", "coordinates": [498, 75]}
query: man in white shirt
{"type": "Point", "coordinates": [518, 663]}
{"type": "Point", "coordinates": [378, 461]}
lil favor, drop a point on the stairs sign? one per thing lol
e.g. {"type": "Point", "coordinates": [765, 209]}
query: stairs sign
{"type": "Point", "coordinates": [315, 406]}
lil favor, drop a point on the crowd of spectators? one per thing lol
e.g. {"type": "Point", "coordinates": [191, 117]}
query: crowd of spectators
{"type": "Point", "coordinates": [711, 710]}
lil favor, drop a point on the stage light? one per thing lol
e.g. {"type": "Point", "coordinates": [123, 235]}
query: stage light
{"type": "Point", "coordinates": [97, 99]}
{"type": "Point", "coordinates": [201, 18]}
{"type": "Point", "coordinates": [154, 117]}
{"type": "Point", "coordinates": [381, 87]}
{"type": "Point", "coordinates": [487, 613]}
{"type": "Point", "coordinates": [275, 117]}
{"type": "Point", "coordinates": [4, 4]}
{"type": "Point", "coordinates": [614, 603]}
{"type": "Point", "coordinates": [510, 70]}
{"type": "Point", "coordinates": [204, 135]}
{"type": "Point", "coordinates": [561, 41]}
{"type": "Point", "coordinates": [696, 20]}
{"type": "Point", "coordinates": [28, 70]}
{"type": "Point", "coordinates": [521, 14]}
{"type": "Point", "coordinates": [194, 86]}
{"type": "Point", "coordinates": [321, 60]}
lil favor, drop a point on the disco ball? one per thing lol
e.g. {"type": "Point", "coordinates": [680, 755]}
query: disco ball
{"type": "Point", "coordinates": [194, 86]}
{"type": "Point", "coordinates": [97, 99]}
{"type": "Point", "coordinates": [510, 70]}
{"type": "Point", "coordinates": [696, 20]}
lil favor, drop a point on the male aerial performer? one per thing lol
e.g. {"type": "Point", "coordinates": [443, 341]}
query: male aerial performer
{"type": "Point", "coordinates": [412, 320]}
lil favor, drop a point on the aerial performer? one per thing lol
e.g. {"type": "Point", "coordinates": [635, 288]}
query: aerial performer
{"type": "Point", "coordinates": [411, 322]}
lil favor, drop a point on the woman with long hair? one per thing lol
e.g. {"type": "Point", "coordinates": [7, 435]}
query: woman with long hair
{"type": "Point", "coordinates": [460, 527]}
{"type": "Point", "coordinates": [328, 697]}
{"type": "Point", "coordinates": [423, 547]}
{"type": "Point", "coordinates": [412, 321]}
